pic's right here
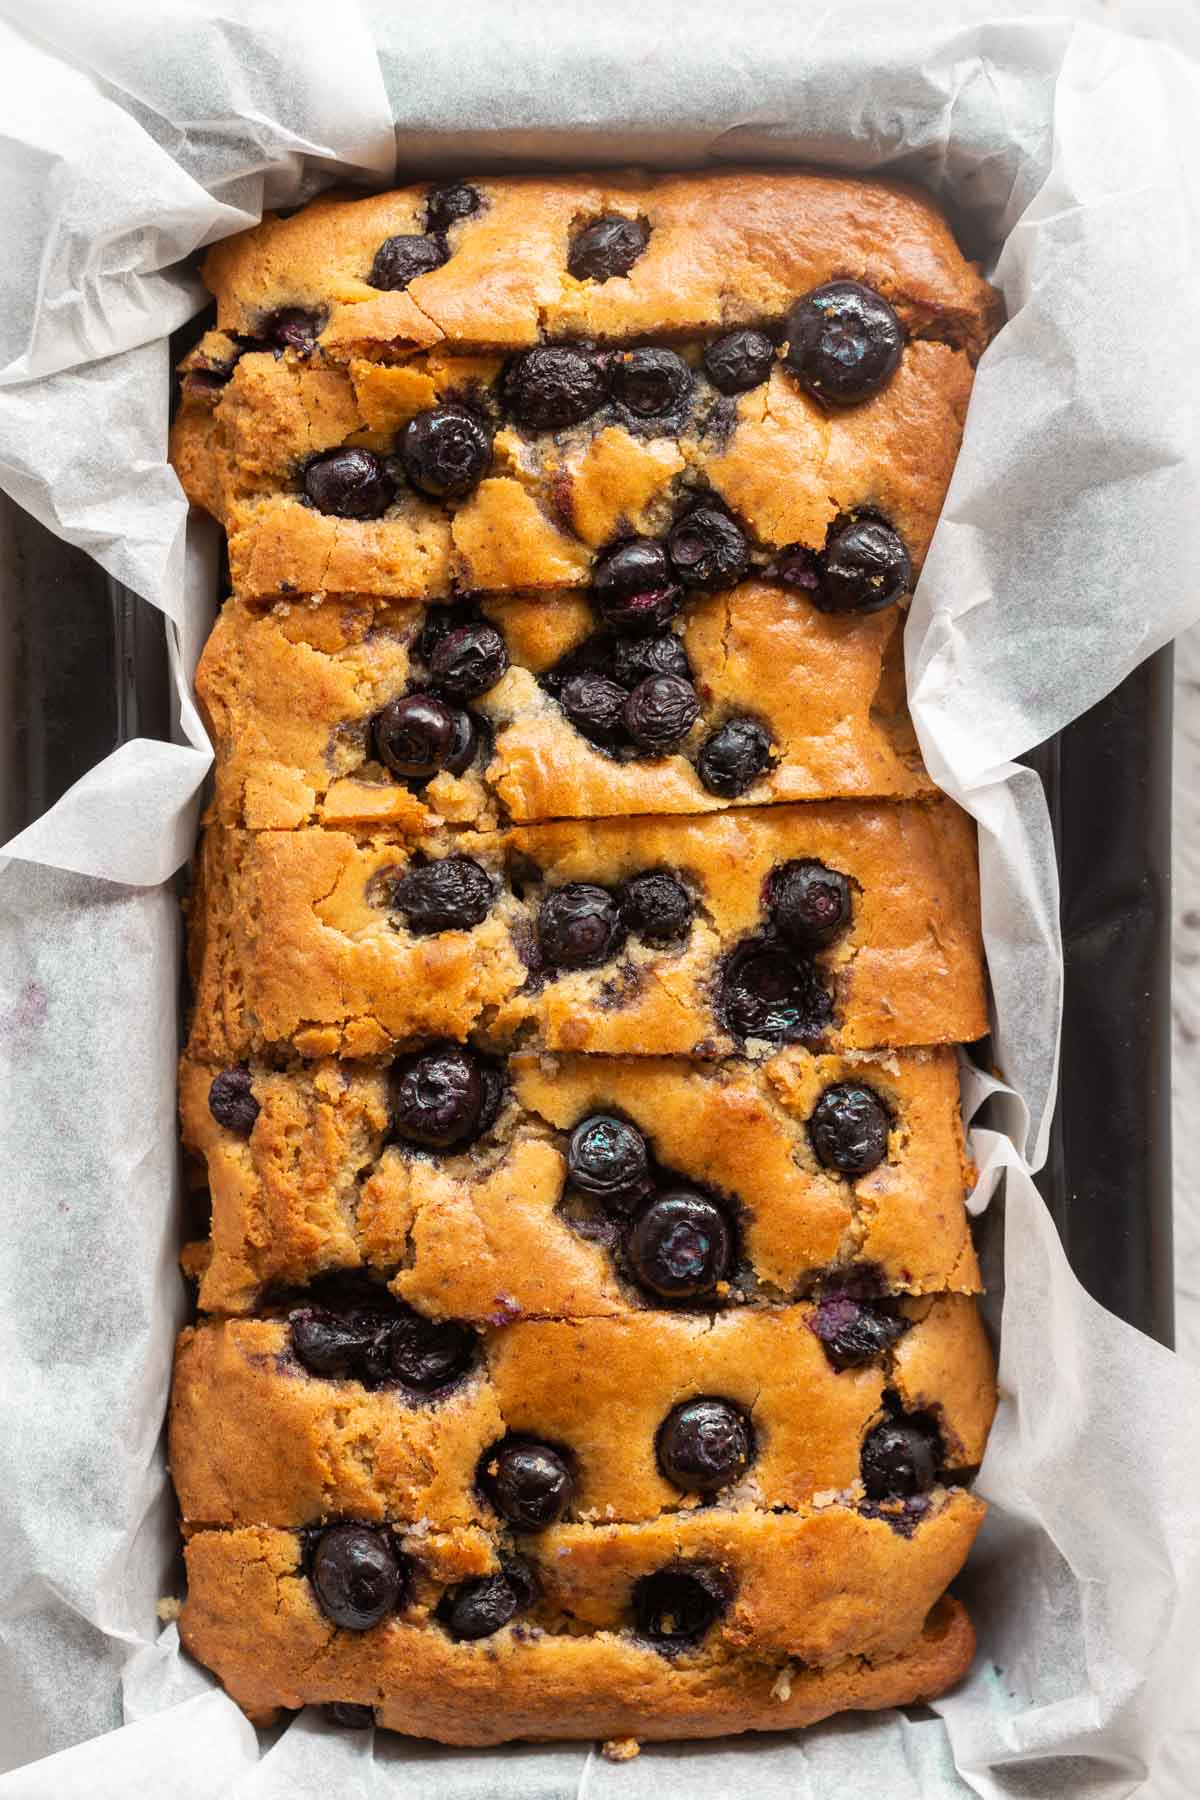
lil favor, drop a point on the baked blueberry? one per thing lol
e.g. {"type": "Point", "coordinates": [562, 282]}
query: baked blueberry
{"type": "Point", "coordinates": [849, 1128]}
{"type": "Point", "coordinates": [680, 1245]}
{"type": "Point", "coordinates": [579, 926]}
{"type": "Point", "coordinates": [660, 712]}
{"type": "Point", "coordinates": [449, 895]}
{"type": "Point", "coordinates": [797, 567]}
{"type": "Point", "coordinates": [464, 746]}
{"type": "Point", "coordinates": [445, 451]}
{"type": "Point", "coordinates": [652, 384]}
{"type": "Point", "coordinates": [704, 1445]}
{"type": "Point", "coordinates": [606, 248]}
{"type": "Point", "coordinates": [528, 1482]}
{"type": "Point", "coordinates": [657, 907]}
{"type": "Point", "coordinates": [595, 706]}
{"type": "Point", "coordinates": [293, 328]}
{"type": "Point", "coordinates": [854, 1331]}
{"type": "Point", "coordinates": [900, 1457]}
{"type": "Point", "coordinates": [401, 259]}
{"type": "Point", "coordinates": [739, 361]}
{"type": "Point", "coordinates": [636, 658]}
{"type": "Point", "coordinates": [608, 1157]}
{"type": "Point", "coordinates": [349, 1716]}
{"type": "Point", "coordinates": [864, 569]}
{"type": "Point", "coordinates": [481, 1606]}
{"type": "Point", "coordinates": [469, 661]}
{"type": "Point", "coordinates": [349, 484]}
{"type": "Point", "coordinates": [338, 1343]}
{"type": "Point", "coordinates": [707, 549]}
{"type": "Point", "coordinates": [430, 1354]}
{"type": "Point", "coordinates": [231, 1102]}
{"type": "Point", "coordinates": [634, 589]}
{"type": "Point", "coordinates": [771, 993]}
{"type": "Point", "coordinates": [733, 757]}
{"type": "Point", "coordinates": [554, 386]}
{"type": "Point", "coordinates": [415, 736]}
{"type": "Point", "coordinates": [356, 1576]}
{"type": "Point", "coordinates": [809, 903]}
{"type": "Point", "coordinates": [446, 205]}
{"type": "Point", "coordinates": [439, 1097]}
{"type": "Point", "coordinates": [675, 1606]}
{"type": "Point", "coordinates": [844, 342]}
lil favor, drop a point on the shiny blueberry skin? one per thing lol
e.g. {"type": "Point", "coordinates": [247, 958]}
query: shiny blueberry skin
{"type": "Point", "coordinates": [606, 248]}
{"type": "Point", "coordinates": [707, 549]}
{"type": "Point", "coordinates": [356, 1576]}
{"type": "Point", "coordinates": [464, 748]}
{"type": "Point", "coordinates": [704, 1445]}
{"type": "Point", "coordinates": [733, 758]}
{"type": "Point", "coordinates": [341, 1343]}
{"type": "Point", "coordinates": [739, 361]}
{"type": "Point", "coordinates": [293, 328]}
{"type": "Point", "coordinates": [680, 1245]}
{"type": "Point", "coordinates": [864, 569]}
{"type": "Point", "coordinates": [469, 661]}
{"type": "Point", "coordinates": [849, 1128]}
{"type": "Point", "coordinates": [853, 1331]}
{"type": "Point", "coordinates": [483, 1605]}
{"type": "Point", "coordinates": [636, 658]}
{"type": "Point", "coordinates": [579, 926]}
{"type": "Point", "coordinates": [774, 994]}
{"type": "Point", "coordinates": [445, 451]}
{"type": "Point", "coordinates": [596, 707]}
{"type": "Point", "coordinates": [608, 1157]}
{"type": "Point", "coordinates": [808, 902]}
{"type": "Point", "coordinates": [675, 1606]}
{"type": "Point", "coordinates": [798, 567]}
{"type": "Point", "coordinates": [446, 205]}
{"type": "Point", "coordinates": [554, 386]}
{"type": "Point", "coordinates": [449, 895]}
{"type": "Point", "coordinates": [430, 1355]}
{"type": "Point", "coordinates": [900, 1457]}
{"type": "Point", "coordinates": [528, 1482]}
{"type": "Point", "coordinates": [844, 342]}
{"type": "Point", "coordinates": [652, 384]}
{"type": "Point", "coordinates": [231, 1102]}
{"type": "Point", "coordinates": [657, 907]}
{"type": "Point", "coordinates": [415, 736]}
{"type": "Point", "coordinates": [660, 712]}
{"type": "Point", "coordinates": [349, 1716]}
{"type": "Point", "coordinates": [349, 484]}
{"type": "Point", "coordinates": [634, 589]}
{"type": "Point", "coordinates": [401, 259]}
{"type": "Point", "coordinates": [439, 1097]}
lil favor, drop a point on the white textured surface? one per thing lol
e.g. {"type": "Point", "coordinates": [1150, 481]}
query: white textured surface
{"type": "Point", "coordinates": [1186, 1003]}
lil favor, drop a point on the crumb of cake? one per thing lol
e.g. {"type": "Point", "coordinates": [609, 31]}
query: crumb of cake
{"type": "Point", "coordinates": [621, 1749]}
{"type": "Point", "coordinates": [169, 1608]}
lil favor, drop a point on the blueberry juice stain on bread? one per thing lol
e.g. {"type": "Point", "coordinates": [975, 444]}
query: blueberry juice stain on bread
{"type": "Point", "coordinates": [587, 1340]}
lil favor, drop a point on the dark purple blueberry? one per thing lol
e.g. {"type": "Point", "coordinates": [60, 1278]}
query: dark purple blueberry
{"type": "Point", "coordinates": [596, 707]}
{"type": "Point", "coordinates": [231, 1102]}
{"type": "Point", "coordinates": [608, 1157]}
{"type": "Point", "coordinates": [438, 1097]}
{"type": "Point", "coordinates": [446, 205]}
{"type": "Point", "coordinates": [579, 926]}
{"type": "Point", "coordinates": [798, 567]}
{"type": "Point", "coordinates": [356, 1576]}
{"type": "Point", "coordinates": [465, 744]}
{"type": "Point", "coordinates": [853, 1331]}
{"type": "Point", "coordinates": [704, 1445]}
{"type": "Point", "coordinates": [483, 1605]}
{"type": "Point", "coordinates": [865, 568]}
{"type": "Point", "coordinates": [415, 736]}
{"type": "Point", "coordinates": [660, 712]}
{"type": "Point", "coordinates": [349, 484]}
{"type": "Point", "coordinates": [676, 1605]}
{"type": "Point", "coordinates": [900, 1457]}
{"type": "Point", "coordinates": [294, 328]}
{"type": "Point", "coordinates": [339, 1343]}
{"type": "Point", "coordinates": [634, 589]}
{"type": "Point", "coordinates": [430, 1354]}
{"type": "Point", "coordinates": [707, 549]}
{"type": "Point", "coordinates": [652, 384]}
{"type": "Point", "coordinates": [808, 903]}
{"type": "Point", "coordinates": [636, 658]}
{"type": "Point", "coordinates": [680, 1245]}
{"type": "Point", "coordinates": [469, 661]}
{"type": "Point", "coordinates": [208, 380]}
{"type": "Point", "coordinates": [529, 1483]}
{"type": "Point", "coordinates": [844, 342]}
{"type": "Point", "coordinates": [445, 451]}
{"type": "Point", "coordinates": [849, 1128]}
{"type": "Point", "coordinates": [609, 247]}
{"type": "Point", "coordinates": [449, 895]}
{"type": "Point", "coordinates": [774, 994]}
{"type": "Point", "coordinates": [739, 361]}
{"type": "Point", "coordinates": [349, 1716]}
{"type": "Point", "coordinates": [554, 386]}
{"type": "Point", "coordinates": [657, 907]}
{"type": "Point", "coordinates": [401, 259]}
{"type": "Point", "coordinates": [733, 757]}
{"type": "Point", "coordinates": [439, 621]}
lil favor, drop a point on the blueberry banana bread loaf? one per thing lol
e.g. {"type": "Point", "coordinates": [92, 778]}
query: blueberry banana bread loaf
{"type": "Point", "coordinates": [587, 1342]}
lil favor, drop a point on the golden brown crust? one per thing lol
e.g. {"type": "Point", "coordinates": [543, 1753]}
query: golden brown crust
{"type": "Point", "coordinates": [480, 1234]}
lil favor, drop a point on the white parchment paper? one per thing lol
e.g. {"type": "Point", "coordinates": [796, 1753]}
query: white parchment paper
{"type": "Point", "coordinates": [1067, 551]}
